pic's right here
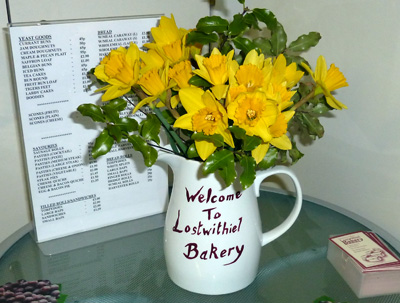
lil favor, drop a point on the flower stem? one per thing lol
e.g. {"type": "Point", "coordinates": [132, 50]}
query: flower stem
{"type": "Point", "coordinates": [304, 100]}
{"type": "Point", "coordinates": [173, 111]}
{"type": "Point", "coordinates": [173, 135]}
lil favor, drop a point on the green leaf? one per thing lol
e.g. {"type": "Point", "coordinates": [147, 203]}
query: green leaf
{"type": "Point", "coordinates": [168, 116]}
{"type": "Point", "coordinates": [264, 45]}
{"type": "Point", "coordinates": [244, 44]}
{"type": "Point", "coordinates": [222, 161]}
{"type": "Point", "coordinates": [304, 89]}
{"type": "Point", "coordinates": [249, 171]}
{"type": "Point", "coordinates": [266, 16]}
{"type": "Point", "coordinates": [270, 159]}
{"type": "Point", "coordinates": [202, 38]}
{"type": "Point", "coordinates": [311, 123]}
{"type": "Point", "coordinates": [305, 42]}
{"type": "Point", "coordinates": [117, 104]}
{"type": "Point", "coordinates": [237, 26]}
{"type": "Point", "coordinates": [115, 132]}
{"type": "Point", "coordinates": [216, 139]}
{"type": "Point", "coordinates": [278, 40]}
{"type": "Point", "coordinates": [127, 124]}
{"type": "Point", "coordinates": [251, 142]}
{"type": "Point", "coordinates": [199, 81]}
{"type": "Point", "coordinates": [320, 109]}
{"type": "Point", "coordinates": [62, 298]}
{"type": "Point", "coordinates": [93, 111]}
{"type": "Point", "coordinates": [150, 128]}
{"type": "Point", "coordinates": [282, 156]}
{"type": "Point", "coordinates": [251, 20]}
{"type": "Point", "coordinates": [111, 114]}
{"type": "Point", "coordinates": [211, 24]}
{"type": "Point", "coordinates": [192, 151]}
{"type": "Point", "coordinates": [226, 48]}
{"type": "Point", "coordinates": [240, 58]}
{"type": "Point", "coordinates": [295, 154]}
{"type": "Point", "coordinates": [297, 59]}
{"type": "Point", "coordinates": [241, 1]}
{"type": "Point", "coordinates": [102, 144]}
{"type": "Point", "coordinates": [149, 153]}
{"type": "Point", "coordinates": [238, 132]}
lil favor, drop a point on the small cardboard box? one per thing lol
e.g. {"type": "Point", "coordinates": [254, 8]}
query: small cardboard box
{"type": "Point", "coordinates": [368, 266]}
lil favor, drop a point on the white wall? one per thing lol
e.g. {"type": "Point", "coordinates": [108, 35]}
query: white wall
{"type": "Point", "coordinates": [14, 205]}
{"type": "Point", "coordinates": [356, 165]}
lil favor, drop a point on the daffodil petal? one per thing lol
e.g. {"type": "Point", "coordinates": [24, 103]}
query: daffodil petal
{"type": "Point", "coordinates": [145, 101]}
{"type": "Point", "coordinates": [132, 54]}
{"type": "Point", "coordinates": [254, 58]}
{"type": "Point", "coordinates": [205, 149]}
{"type": "Point", "coordinates": [114, 92]}
{"type": "Point", "coordinates": [308, 69]}
{"type": "Point", "coordinates": [259, 152]}
{"type": "Point", "coordinates": [288, 114]}
{"type": "Point", "coordinates": [333, 102]}
{"type": "Point", "coordinates": [185, 121]}
{"type": "Point", "coordinates": [220, 91]}
{"type": "Point", "coordinates": [210, 102]}
{"type": "Point", "coordinates": [222, 130]}
{"type": "Point", "coordinates": [283, 142]}
{"type": "Point", "coordinates": [321, 70]}
{"type": "Point", "coordinates": [202, 72]}
{"type": "Point", "coordinates": [175, 101]}
{"type": "Point", "coordinates": [191, 98]}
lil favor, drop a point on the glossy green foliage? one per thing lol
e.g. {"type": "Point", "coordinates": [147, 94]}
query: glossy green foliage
{"type": "Point", "coordinates": [223, 162]}
{"type": "Point", "coordinates": [117, 128]}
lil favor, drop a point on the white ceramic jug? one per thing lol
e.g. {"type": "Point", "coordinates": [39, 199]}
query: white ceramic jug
{"type": "Point", "coordinates": [212, 235]}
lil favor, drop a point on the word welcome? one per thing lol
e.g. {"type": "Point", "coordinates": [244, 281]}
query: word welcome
{"type": "Point", "coordinates": [209, 197]}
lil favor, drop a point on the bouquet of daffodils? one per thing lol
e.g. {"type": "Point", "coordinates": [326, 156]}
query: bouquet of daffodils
{"type": "Point", "coordinates": [221, 96]}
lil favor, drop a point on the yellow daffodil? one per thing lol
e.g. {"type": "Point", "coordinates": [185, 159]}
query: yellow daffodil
{"type": "Point", "coordinates": [280, 94]}
{"type": "Point", "coordinates": [169, 41]}
{"type": "Point", "coordinates": [279, 139]}
{"type": "Point", "coordinates": [254, 113]}
{"type": "Point", "coordinates": [181, 73]}
{"type": "Point", "coordinates": [215, 69]}
{"type": "Point", "coordinates": [150, 60]}
{"type": "Point", "coordinates": [278, 131]}
{"type": "Point", "coordinates": [289, 75]}
{"type": "Point", "coordinates": [327, 81]}
{"type": "Point", "coordinates": [154, 83]}
{"type": "Point", "coordinates": [204, 114]}
{"type": "Point", "coordinates": [254, 58]}
{"type": "Point", "coordinates": [120, 69]}
{"type": "Point", "coordinates": [248, 77]}
{"type": "Point", "coordinates": [260, 151]}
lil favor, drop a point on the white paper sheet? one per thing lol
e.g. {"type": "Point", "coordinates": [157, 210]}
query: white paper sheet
{"type": "Point", "coordinates": [70, 191]}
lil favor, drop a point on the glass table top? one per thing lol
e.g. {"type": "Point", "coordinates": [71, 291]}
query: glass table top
{"type": "Point", "coordinates": [131, 268]}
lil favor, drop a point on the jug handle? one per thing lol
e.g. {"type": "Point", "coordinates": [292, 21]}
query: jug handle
{"type": "Point", "coordinates": [276, 232]}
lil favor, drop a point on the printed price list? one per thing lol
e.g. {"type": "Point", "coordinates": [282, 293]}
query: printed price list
{"type": "Point", "coordinates": [70, 190]}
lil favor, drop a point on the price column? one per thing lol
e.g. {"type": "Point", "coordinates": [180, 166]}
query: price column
{"type": "Point", "coordinates": [93, 166]}
{"type": "Point", "coordinates": [96, 204]}
{"type": "Point", "coordinates": [84, 56]}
